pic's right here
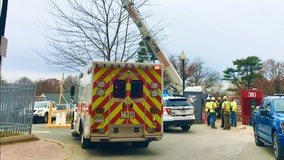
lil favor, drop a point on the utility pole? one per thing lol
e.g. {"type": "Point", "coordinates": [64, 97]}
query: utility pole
{"type": "Point", "coordinates": [182, 58]}
{"type": "Point", "coordinates": [3, 40]}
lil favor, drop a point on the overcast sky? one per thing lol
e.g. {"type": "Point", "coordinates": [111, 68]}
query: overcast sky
{"type": "Point", "coordinates": [217, 31]}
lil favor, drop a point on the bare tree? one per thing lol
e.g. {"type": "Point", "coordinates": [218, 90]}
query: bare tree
{"type": "Point", "coordinates": [70, 81]}
{"type": "Point", "coordinates": [90, 30]}
{"type": "Point", "coordinates": [51, 85]}
{"type": "Point", "coordinates": [177, 64]}
{"type": "Point", "coordinates": [199, 73]}
{"type": "Point", "coordinates": [24, 80]}
{"type": "Point", "coordinates": [274, 71]}
{"type": "Point", "coordinates": [265, 85]}
{"type": "Point", "coordinates": [196, 73]}
{"type": "Point", "coordinates": [212, 78]}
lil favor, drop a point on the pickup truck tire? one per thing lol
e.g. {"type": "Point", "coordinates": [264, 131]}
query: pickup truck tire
{"type": "Point", "coordinates": [278, 150]}
{"type": "Point", "coordinates": [45, 118]}
{"type": "Point", "coordinates": [257, 141]}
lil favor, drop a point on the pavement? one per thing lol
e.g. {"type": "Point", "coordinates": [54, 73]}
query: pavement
{"type": "Point", "coordinates": [20, 147]}
{"type": "Point", "coordinates": [30, 147]}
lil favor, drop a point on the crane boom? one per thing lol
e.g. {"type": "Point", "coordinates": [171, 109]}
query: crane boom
{"type": "Point", "coordinates": [148, 37]}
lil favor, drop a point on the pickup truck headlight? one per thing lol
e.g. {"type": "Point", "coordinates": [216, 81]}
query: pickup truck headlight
{"type": "Point", "coordinates": [40, 110]}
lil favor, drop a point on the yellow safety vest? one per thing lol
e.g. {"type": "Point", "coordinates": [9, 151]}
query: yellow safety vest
{"type": "Point", "coordinates": [207, 105]}
{"type": "Point", "coordinates": [226, 106]}
{"type": "Point", "coordinates": [212, 107]}
{"type": "Point", "coordinates": [234, 106]}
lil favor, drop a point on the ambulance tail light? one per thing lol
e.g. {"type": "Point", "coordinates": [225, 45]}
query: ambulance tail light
{"type": "Point", "coordinates": [154, 110]}
{"type": "Point", "coordinates": [168, 110]}
{"type": "Point", "coordinates": [158, 130]}
{"type": "Point", "coordinates": [154, 93]}
{"type": "Point", "coordinates": [154, 85]}
{"type": "Point", "coordinates": [100, 92]}
{"type": "Point", "coordinates": [154, 90]}
{"type": "Point", "coordinates": [98, 130]}
{"type": "Point", "coordinates": [151, 130]}
{"type": "Point", "coordinates": [101, 88]}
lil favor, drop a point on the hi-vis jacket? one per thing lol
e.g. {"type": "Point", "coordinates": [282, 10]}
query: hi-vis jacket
{"type": "Point", "coordinates": [226, 107]}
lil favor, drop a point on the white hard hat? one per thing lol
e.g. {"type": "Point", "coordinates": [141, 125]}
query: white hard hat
{"type": "Point", "coordinates": [213, 98]}
{"type": "Point", "coordinates": [208, 98]}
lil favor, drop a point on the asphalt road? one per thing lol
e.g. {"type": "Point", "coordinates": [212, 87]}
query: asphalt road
{"type": "Point", "coordinates": [200, 143]}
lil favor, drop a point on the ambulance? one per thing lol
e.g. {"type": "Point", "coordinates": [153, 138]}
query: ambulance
{"type": "Point", "coordinates": [119, 102]}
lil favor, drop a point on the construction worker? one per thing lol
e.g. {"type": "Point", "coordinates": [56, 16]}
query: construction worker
{"type": "Point", "coordinates": [221, 114]}
{"type": "Point", "coordinates": [207, 109]}
{"type": "Point", "coordinates": [213, 107]}
{"type": "Point", "coordinates": [218, 109]}
{"type": "Point", "coordinates": [234, 110]}
{"type": "Point", "coordinates": [226, 110]}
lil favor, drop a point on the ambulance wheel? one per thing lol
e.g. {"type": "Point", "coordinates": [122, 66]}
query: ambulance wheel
{"type": "Point", "coordinates": [74, 134]}
{"type": "Point", "coordinates": [185, 128]}
{"type": "Point", "coordinates": [85, 143]}
{"type": "Point", "coordinates": [140, 144]}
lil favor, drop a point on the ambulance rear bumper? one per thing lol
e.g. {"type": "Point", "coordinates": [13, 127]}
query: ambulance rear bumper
{"type": "Point", "coordinates": [108, 139]}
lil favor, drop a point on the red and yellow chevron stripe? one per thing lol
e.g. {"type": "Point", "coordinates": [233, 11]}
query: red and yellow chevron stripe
{"type": "Point", "coordinates": [146, 110]}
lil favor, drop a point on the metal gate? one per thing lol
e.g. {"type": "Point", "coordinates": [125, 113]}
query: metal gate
{"type": "Point", "coordinates": [16, 108]}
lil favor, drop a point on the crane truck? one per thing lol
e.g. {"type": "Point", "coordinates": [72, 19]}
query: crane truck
{"type": "Point", "coordinates": [149, 38]}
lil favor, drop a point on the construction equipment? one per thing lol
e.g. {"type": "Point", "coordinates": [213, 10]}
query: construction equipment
{"type": "Point", "coordinates": [148, 37]}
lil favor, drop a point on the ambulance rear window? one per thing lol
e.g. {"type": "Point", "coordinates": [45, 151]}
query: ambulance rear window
{"type": "Point", "coordinates": [176, 102]}
{"type": "Point", "coordinates": [119, 88]}
{"type": "Point", "coordinates": [136, 89]}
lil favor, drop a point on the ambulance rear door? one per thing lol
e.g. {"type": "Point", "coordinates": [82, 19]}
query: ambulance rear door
{"type": "Point", "coordinates": [127, 106]}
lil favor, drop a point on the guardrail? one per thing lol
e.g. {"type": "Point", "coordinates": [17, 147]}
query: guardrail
{"type": "Point", "coordinates": [16, 108]}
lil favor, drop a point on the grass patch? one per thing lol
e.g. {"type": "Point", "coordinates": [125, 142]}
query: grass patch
{"type": "Point", "coordinates": [10, 135]}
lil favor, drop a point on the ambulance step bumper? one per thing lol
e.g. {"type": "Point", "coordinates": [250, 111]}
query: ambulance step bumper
{"type": "Point", "coordinates": [107, 139]}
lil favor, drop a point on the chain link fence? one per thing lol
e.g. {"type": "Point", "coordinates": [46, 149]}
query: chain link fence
{"type": "Point", "coordinates": [16, 108]}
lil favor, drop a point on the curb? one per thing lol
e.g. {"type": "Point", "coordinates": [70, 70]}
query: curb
{"type": "Point", "coordinates": [19, 138]}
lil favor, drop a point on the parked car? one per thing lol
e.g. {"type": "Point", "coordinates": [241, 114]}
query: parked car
{"type": "Point", "coordinates": [268, 124]}
{"type": "Point", "coordinates": [41, 110]}
{"type": "Point", "coordinates": [178, 112]}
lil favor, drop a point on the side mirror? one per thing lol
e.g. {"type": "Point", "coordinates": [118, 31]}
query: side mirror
{"type": "Point", "coordinates": [263, 112]}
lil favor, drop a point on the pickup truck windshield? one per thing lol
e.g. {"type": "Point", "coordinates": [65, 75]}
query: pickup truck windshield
{"type": "Point", "coordinates": [279, 105]}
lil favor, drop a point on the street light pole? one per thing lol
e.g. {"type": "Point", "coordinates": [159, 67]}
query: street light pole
{"type": "Point", "coordinates": [182, 58]}
{"type": "Point", "coordinates": [4, 8]}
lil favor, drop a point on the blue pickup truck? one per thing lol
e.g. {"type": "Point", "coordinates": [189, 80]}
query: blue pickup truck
{"type": "Point", "coordinates": [268, 124]}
